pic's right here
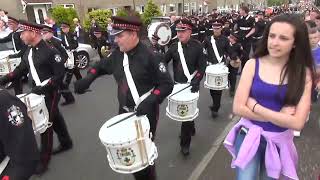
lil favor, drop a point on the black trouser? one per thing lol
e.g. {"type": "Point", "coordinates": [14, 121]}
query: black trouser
{"type": "Point", "coordinates": [187, 129]}
{"type": "Point", "coordinates": [246, 45]}
{"type": "Point", "coordinates": [149, 173]}
{"type": "Point", "coordinates": [232, 76]}
{"type": "Point", "coordinates": [59, 126]}
{"type": "Point", "coordinates": [18, 172]}
{"type": "Point", "coordinates": [17, 86]}
{"type": "Point", "coordinates": [255, 43]}
{"type": "Point", "coordinates": [216, 99]}
{"type": "Point", "coordinates": [66, 93]}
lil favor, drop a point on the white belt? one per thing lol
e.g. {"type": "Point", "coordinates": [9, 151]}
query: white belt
{"type": "Point", "coordinates": [194, 34]}
{"type": "Point", "coordinates": [4, 164]}
{"type": "Point", "coordinates": [202, 31]}
{"type": "Point", "coordinates": [260, 37]}
{"type": "Point", "coordinates": [245, 28]}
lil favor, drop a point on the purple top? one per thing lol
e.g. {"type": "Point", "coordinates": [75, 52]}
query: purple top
{"type": "Point", "coordinates": [316, 56]}
{"type": "Point", "coordinates": [281, 157]}
{"type": "Point", "coordinates": [268, 95]}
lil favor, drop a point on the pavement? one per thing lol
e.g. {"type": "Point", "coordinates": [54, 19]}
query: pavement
{"type": "Point", "coordinates": [208, 159]}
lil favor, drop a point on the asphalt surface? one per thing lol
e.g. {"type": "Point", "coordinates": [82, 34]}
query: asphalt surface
{"type": "Point", "coordinates": [88, 160]}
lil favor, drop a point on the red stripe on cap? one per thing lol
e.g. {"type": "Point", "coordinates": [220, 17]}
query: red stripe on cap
{"type": "Point", "coordinates": [29, 28]}
{"type": "Point", "coordinates": [156, 92]}
{"type": "Point", "coordinates": [180, 25]}
{"type": "Point", "coordinates": [93, 71]}
{"type": "Point", "coordinates": [5, 178]}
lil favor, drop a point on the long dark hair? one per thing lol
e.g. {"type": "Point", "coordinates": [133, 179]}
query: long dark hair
{"type": "Point", "coordinates": [300, 57]}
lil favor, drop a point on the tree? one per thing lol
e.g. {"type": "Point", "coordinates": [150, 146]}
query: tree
{"type": "Point", "coordinates": [101, 16]}
{"type": "Point", "coordinates": [125, 12]}
{"type": "Point", "coordinates": [151, 10]}
{"type": "Point", "coordinates": [275, 2]}
{"type": "Point", "coordinates": [61, 14]}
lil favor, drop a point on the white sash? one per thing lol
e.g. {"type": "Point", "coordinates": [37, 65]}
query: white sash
{"type": "Point", "coordinates": [34, 73]}
{"type": "Point", "coordinates": [65, 40]}
{"type": "Point", "coordinates": [4, 164]}
{"type": "Point", "coordinates": [184, 64]}
{"type": "Point", "coordinates": [13, 43]}
{"type": "Point", "coordinates": [216, 52]}
{"type": "Point", "coordinates": [131, 84]}
{"type": "Point", "coordinates": [33, 70]}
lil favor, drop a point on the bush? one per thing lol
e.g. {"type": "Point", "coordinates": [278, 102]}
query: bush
{"type": "Point", "coordinates": [151, 10]}
{"type": "Point", "coordinates": [61, 14]}
{"type": "Point", "coordinates": [101, 17]}
{"type": "Point", "coordinates": [125, 12]}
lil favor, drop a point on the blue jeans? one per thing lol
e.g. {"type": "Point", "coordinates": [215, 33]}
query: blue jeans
{"type": "Point", "coordinates": [256, 167]}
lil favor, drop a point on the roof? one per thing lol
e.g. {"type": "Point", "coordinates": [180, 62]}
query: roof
{"type": "Point", "coordinates": [38, 1]}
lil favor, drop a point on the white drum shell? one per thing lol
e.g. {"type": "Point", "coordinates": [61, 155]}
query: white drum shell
{"type": "Point", "coordinates": [121, 142]}
{"type": "Point", "coordinates": [8, 66]}
{"type": "Point", "coordinates": [37, 112]}
{"type": "Point", "coordinates": [216, 77]}
{"type": "Point", "coordinates": [163, 32]}
{"type": "Point", "coordinates": [184, 105]}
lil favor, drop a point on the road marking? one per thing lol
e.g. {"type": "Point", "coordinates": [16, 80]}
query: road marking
{"type": "Point", "coordinates": [195, 175]}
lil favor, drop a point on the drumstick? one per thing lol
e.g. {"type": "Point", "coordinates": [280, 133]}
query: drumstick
{"type": "Point", "coordinates": [179, 91]}
{"type": "Point", "coordinates": [30, 114]}
{"type": "Point", "coordinates": [9, 66]}
{"type": "Point", "coordinates": [139, 140]}
{"type": "Point", "coordinates": [125, 118]}
{"type": "Point", "coordinates": [143, 142]}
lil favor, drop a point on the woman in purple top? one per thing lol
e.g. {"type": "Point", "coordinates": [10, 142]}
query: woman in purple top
{"type": "Point", "coordinates": [274, 94]}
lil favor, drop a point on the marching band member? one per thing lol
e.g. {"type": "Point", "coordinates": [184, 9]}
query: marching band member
{"type": "Point", "coordinates": [71, 44]}
{"type": "Point", "coordinates": [190, 61]}
{"type": "Point", "coordinates": [245, 25]}
{"type": "Point", "coordinates": [217, 48]}
{"type": "Point", "coordinates": [48, 36]}
{"type": "Point", "coordinates": [43, 63]}
{"type": "Point", "coordinates": [19, 153]}
{"type": "Point", "coordinates": [137, 71]}
{"type": "Point", "coordinates": [235, 55]}
{"type": "Point", "coordinates": [260, 25]}
{"type": "Point", "coordinates": [18, 46]}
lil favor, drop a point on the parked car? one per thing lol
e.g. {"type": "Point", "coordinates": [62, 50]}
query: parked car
{"type": "Point", "coordinates": [86, 54]}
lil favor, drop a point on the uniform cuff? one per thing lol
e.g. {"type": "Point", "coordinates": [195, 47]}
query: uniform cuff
{"type": "Point", "coordinates": [156, 92]}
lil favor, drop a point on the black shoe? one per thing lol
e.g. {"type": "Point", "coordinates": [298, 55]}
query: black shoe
{"type": "Point", "coordinates": [67, 103]}
{"type": "Point", "coordinates": [214, 114]}
{"type": "Point", "coordinates": [41, 169]}
{"type": "Point", "coordinates": [185, 151]}
{"type": "Point", "coordinates": [61, 149]}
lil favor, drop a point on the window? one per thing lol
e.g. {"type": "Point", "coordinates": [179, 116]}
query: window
{"type": "Point", "coordinates": [186, 7]}
{"type": "Point", "coordinates": [67, 5]}
{"type": "Point", "coordinates": [193, 6]}
{"type": "Point", "coordinates": [172, 7]}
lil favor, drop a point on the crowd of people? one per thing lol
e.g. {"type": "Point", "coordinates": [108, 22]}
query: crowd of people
{"type": "Point", "coordinates": [277, 56]}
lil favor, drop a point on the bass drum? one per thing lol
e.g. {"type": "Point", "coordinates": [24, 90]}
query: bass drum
{"type": "Point", "coordinates": [162, 30]}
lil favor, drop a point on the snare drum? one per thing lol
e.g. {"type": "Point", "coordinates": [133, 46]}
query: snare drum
{"type": "Point", "coordinates": [37, 111]}
{"type": "Point", "coordinates": [182, 106]}
{"type": "Point", "coordinates": [8, 65]}
{"type": "Point", "coordinates": [216, 77]}
{"type": "Point", "coordinates": [128, 150]}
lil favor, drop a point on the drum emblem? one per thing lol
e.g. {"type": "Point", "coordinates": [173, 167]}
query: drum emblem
{"type": "Point", "coordinates": [218, 81]}
{"type": "Point", "coordinates": [182, 110]}
{"type": "Point", "coordinates": [126, 156]}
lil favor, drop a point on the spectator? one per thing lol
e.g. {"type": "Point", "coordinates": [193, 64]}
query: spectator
{"type": "Point", "coordinates": [78, 30]}
{"type": "Point", "coordinates": [3, 15]}
{"type": "Point", "coordinates": [4, 30]}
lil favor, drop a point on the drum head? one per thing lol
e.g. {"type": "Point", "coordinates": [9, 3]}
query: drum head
{"type": "Point", "coordinates": [124, 131]}
{"type": "Point", "coordinates": [162, 30]}
{"type": "Point", "coordinates": [184, 95]}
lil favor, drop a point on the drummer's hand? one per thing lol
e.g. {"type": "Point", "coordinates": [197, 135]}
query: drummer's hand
{"type": "Point", "coordinates": [195, 84]}
{"type": "Point", "coordinates": [4, 80]}
{"type": "Point", "coordinates": [38, 90]}
{"type": "Point", "coordinates": [147, 105]}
